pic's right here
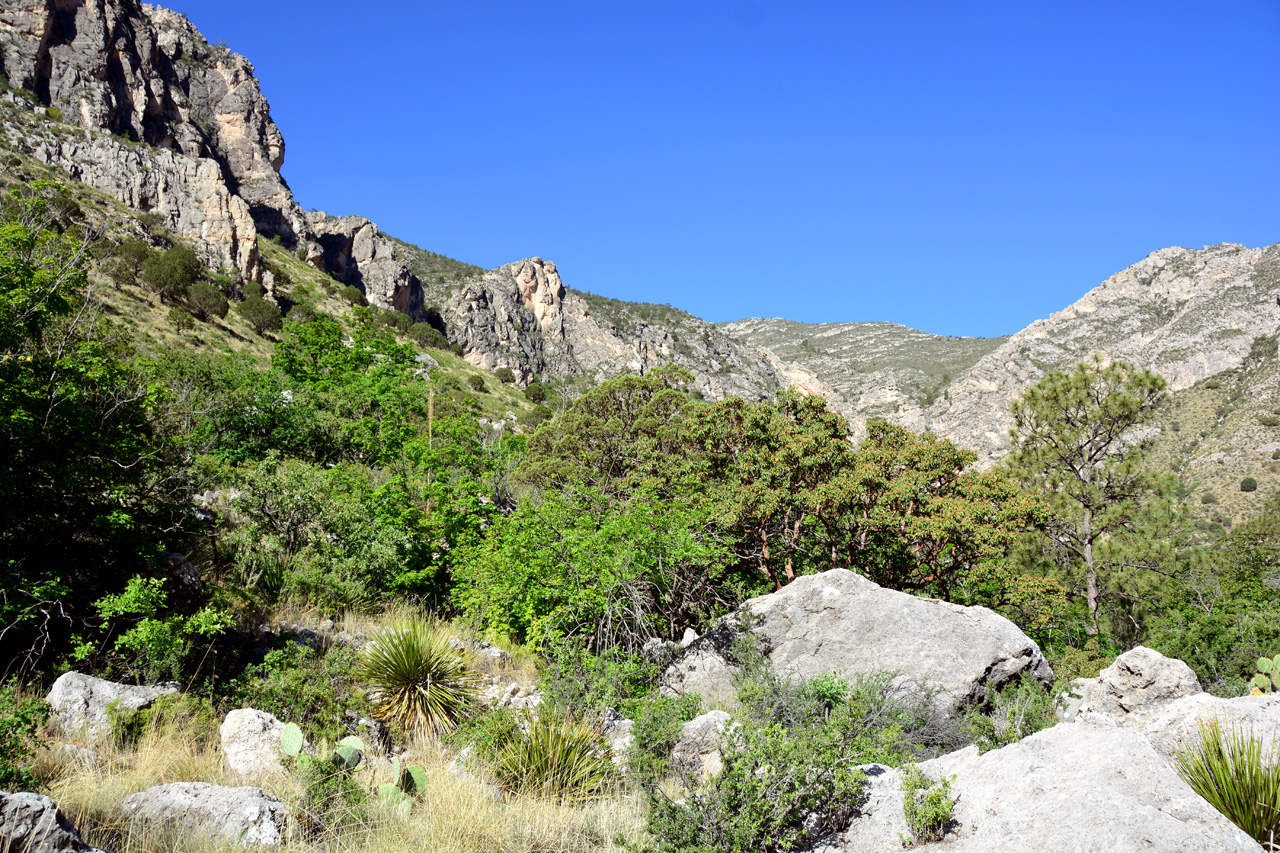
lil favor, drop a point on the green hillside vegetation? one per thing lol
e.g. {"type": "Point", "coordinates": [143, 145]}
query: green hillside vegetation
{"type": "Point", "coordinates": [1220, 431]}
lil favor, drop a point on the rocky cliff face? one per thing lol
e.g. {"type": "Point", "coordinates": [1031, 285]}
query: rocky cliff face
{"type": "Point", "coordinates": [522, 316]}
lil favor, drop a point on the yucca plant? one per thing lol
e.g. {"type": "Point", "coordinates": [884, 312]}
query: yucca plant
{"type": "Point", "coordinates": [1233, 773]}
{"type": "Point", "coordinates": [558, 757]}
{"type": "Point", "coordinates": [419, 680]}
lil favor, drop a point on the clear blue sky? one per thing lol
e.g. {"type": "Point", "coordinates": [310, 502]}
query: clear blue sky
{"type": "Point", "coordinates": [961, 168]}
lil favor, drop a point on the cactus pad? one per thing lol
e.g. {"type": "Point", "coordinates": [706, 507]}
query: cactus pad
{"type": "Point", "coordinates": [291, 740]}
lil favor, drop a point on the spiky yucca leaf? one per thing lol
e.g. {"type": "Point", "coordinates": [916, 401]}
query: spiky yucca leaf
{"type": "Point", "coordinates": [558, 757]}
{"type": "Point", "coordinates": [1235, 774]}
{"type": "Point", "coordinates": [420, 681]}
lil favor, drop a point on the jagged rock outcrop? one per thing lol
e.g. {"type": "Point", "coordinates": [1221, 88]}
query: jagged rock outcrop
{"type": "Point", "coordinates": [79, 702]}
{"type": "Point", "coordinates": [245, 816]}
{"type": "Point", "coordinates": [146, 73]}
{"type": "Point", "coordinates": [697, 751]}
{"type": "Point", "coordinates": [841, 623]}
{"type": "Point", "coordinates": [522, 316]}
{"type": "Point", "coordinates": [352, 248]}
{"type": "Point", "coordinates": [31, 823]}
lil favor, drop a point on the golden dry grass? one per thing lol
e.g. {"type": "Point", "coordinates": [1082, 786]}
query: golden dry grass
{"type": "Point", "coordinates": [451, 816]}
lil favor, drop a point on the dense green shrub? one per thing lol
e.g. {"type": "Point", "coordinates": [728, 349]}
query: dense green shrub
{"type": "Point", "coordinates": [20, 719]}
{"type": "Point", "coordinates": [476, 382]}
{"type": "Point", "coordinates": [171, 273]}
{"type": "Point", "coordinates": [779, 790]}
{"type": "Point", "coordinates": [302, 684]}
{"type": "Point", "coordinates": [587, 685]}
{"type": "Point", "coordinates": [535, 393]}
{"type": "Point", "coordinates": [206, 302]}
{"type": "Point", "coordinates": [353, 295]}
{"type": "Point", "coordinates": [1248, 484]}
{"type": "Point", "coordinates": [181, 319]}
{"type": "Point", "coordinates": [658, 720]}
{"type": "Point", "coordinates": [426, 335]}
{"type": "Point", "coordinates": [1208, 498]}
{"type": "Point", "coordinates": [926, 804]}
{"type": "Point", "coordinates": [1019, 710]}
{"type": "Point", "coordinates": [261, 314]}
{"type": "Point", "coordinates": [504, 375]}
{"type": "Point", "coordinates": [127, 260]}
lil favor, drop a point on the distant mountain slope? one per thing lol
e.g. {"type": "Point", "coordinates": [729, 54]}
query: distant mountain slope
{"type": "Point", "coordinates": [1187, 314]}
{"type": "Point", "coordinates": [874, 369]}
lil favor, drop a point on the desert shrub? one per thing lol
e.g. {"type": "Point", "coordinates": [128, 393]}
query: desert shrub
{"type": "Point", "coordinates": [535, 393]}
{"type": "Point", "coordinates": [456, 349]}
{"type": "Point", "coordinates": [926, 805]}
{"type": "Point", "coordinates": [353, 295]}
{"type": "Point", "coordinates": [1248, 484]}
{"type": "Point", "coordinates": [1275, 454]}
{"type": "Point", "coordinates": [487, 733]}
{"type": "Point", "coordinates": [586, 685]}
{"type": "Point", "coordinates": [1269, 420]}
{"type": "Point", "coordinates": [206, 302]}
{"type": "Point", "coordinates": [191, 718]}
{"type": "Point", "coordinates": [423, 680]}
{"type": "Point", "coordinates": [778, 790]}
{"type": "Point", "coordinates": [1019, 710]}
{"type": "Point", "coordinates": [476, 382]}
{"type": "Point", "coordinates": [1208, 498]}
{"type": "Point", "coordinates": [1237, 776]}
{"type": "Point", "coordinates": [303, 685]}
{"type": "Point", "coordinates": [181, 319]}
{"type": "Point", "coordinates": [658, 720]}
{"type": "Point", "coordinates": [504, 375]}
{"type": "Point", "coordinates": [426, 335]}
{"type": "Point", "coordinates": [558, 757]}
{"type": "Point", "coordinates": [127, 260]}
{"type": "Point", "coordinates": [333, 801]}
{"type": "Point", "coordinates": [171, 272]}
{"type": "Point", "coordinates": [152, 640]}
{"type": "Point", "coordinates": [21, 717]}
{"type": "Point", "coordinates": [261, 314]}
{"type": "Point", "coordinates": [1070, 663]}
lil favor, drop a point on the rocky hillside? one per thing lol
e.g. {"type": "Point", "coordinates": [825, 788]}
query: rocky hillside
{"type": "Point", "coordinates": [867, 370]}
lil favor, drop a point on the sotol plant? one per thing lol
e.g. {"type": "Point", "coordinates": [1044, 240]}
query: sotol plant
{"type": "Point", "coordinates": [421, 681]}
{"type": "Point", "coordinates": [1268, 678]}
{"type": "Point", "coordinates": [1235, 774]}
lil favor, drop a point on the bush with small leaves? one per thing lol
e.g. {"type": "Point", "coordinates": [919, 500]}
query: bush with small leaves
{"type": "Point", "coordinates": [206, 302]}
{"type": "Point", "coordinates": [181, 319]}
{"type": "Point", "coordinates": [535, 393]}
{"type": "Point", "coordinates": [1248, 484]}
{"type": "Point", "coordinates": [505, 375]}
{"type": "Point", "coordinates": [127, 260]}
{"type": "Point", "coordinates": [426, 335]}
{"type": "Point", "coordinates": [261, 314]}
{"type": "Point", "coordinates": [926, 804]}
{"type": "Point", "coordinates": [476, 382]}
{"type": "Point", "coordinates": [21, 718]}
{"type": "Point", "coordinates": [456, 349]}
{"type": "Point", "coordinates": [1269, 420]}
{"type": "Point", "coordinates": [1208, 498]}
{"type": "Point", "coordinates": [353, 295]}
{"type": "Point", "coordinates": [1018, 710]}
{"type": "Point", "coordinates": [171, 272]}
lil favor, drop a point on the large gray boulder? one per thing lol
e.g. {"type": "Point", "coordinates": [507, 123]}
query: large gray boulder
{"type": "Point", "coordinates": [1136, 684]}
{"type": "Point", "coordinates": [1177, 723]}
{"type": "Point", "coordinates": [242, 816]}
{"type": "Point", "coordinates": [30, 823]}
{"type": "Point", "coordinates": [697, 752]}
{"type": "Point", "coordinates": [79, 702]}
{"type": "Point", "coordinates": [839, 622]}
{"type": "Point", "coordinates": [251, 743]}
{"type": "Point", "coordinates": [1073, 787]}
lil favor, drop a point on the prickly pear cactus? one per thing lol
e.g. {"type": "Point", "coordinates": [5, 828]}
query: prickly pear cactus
{"type": "Point", "coordinates": [291, 741]}
{"type": "Point", "coordinates": [414, 780]}
{"type": "Point", "coordinates": [1268, 678]}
